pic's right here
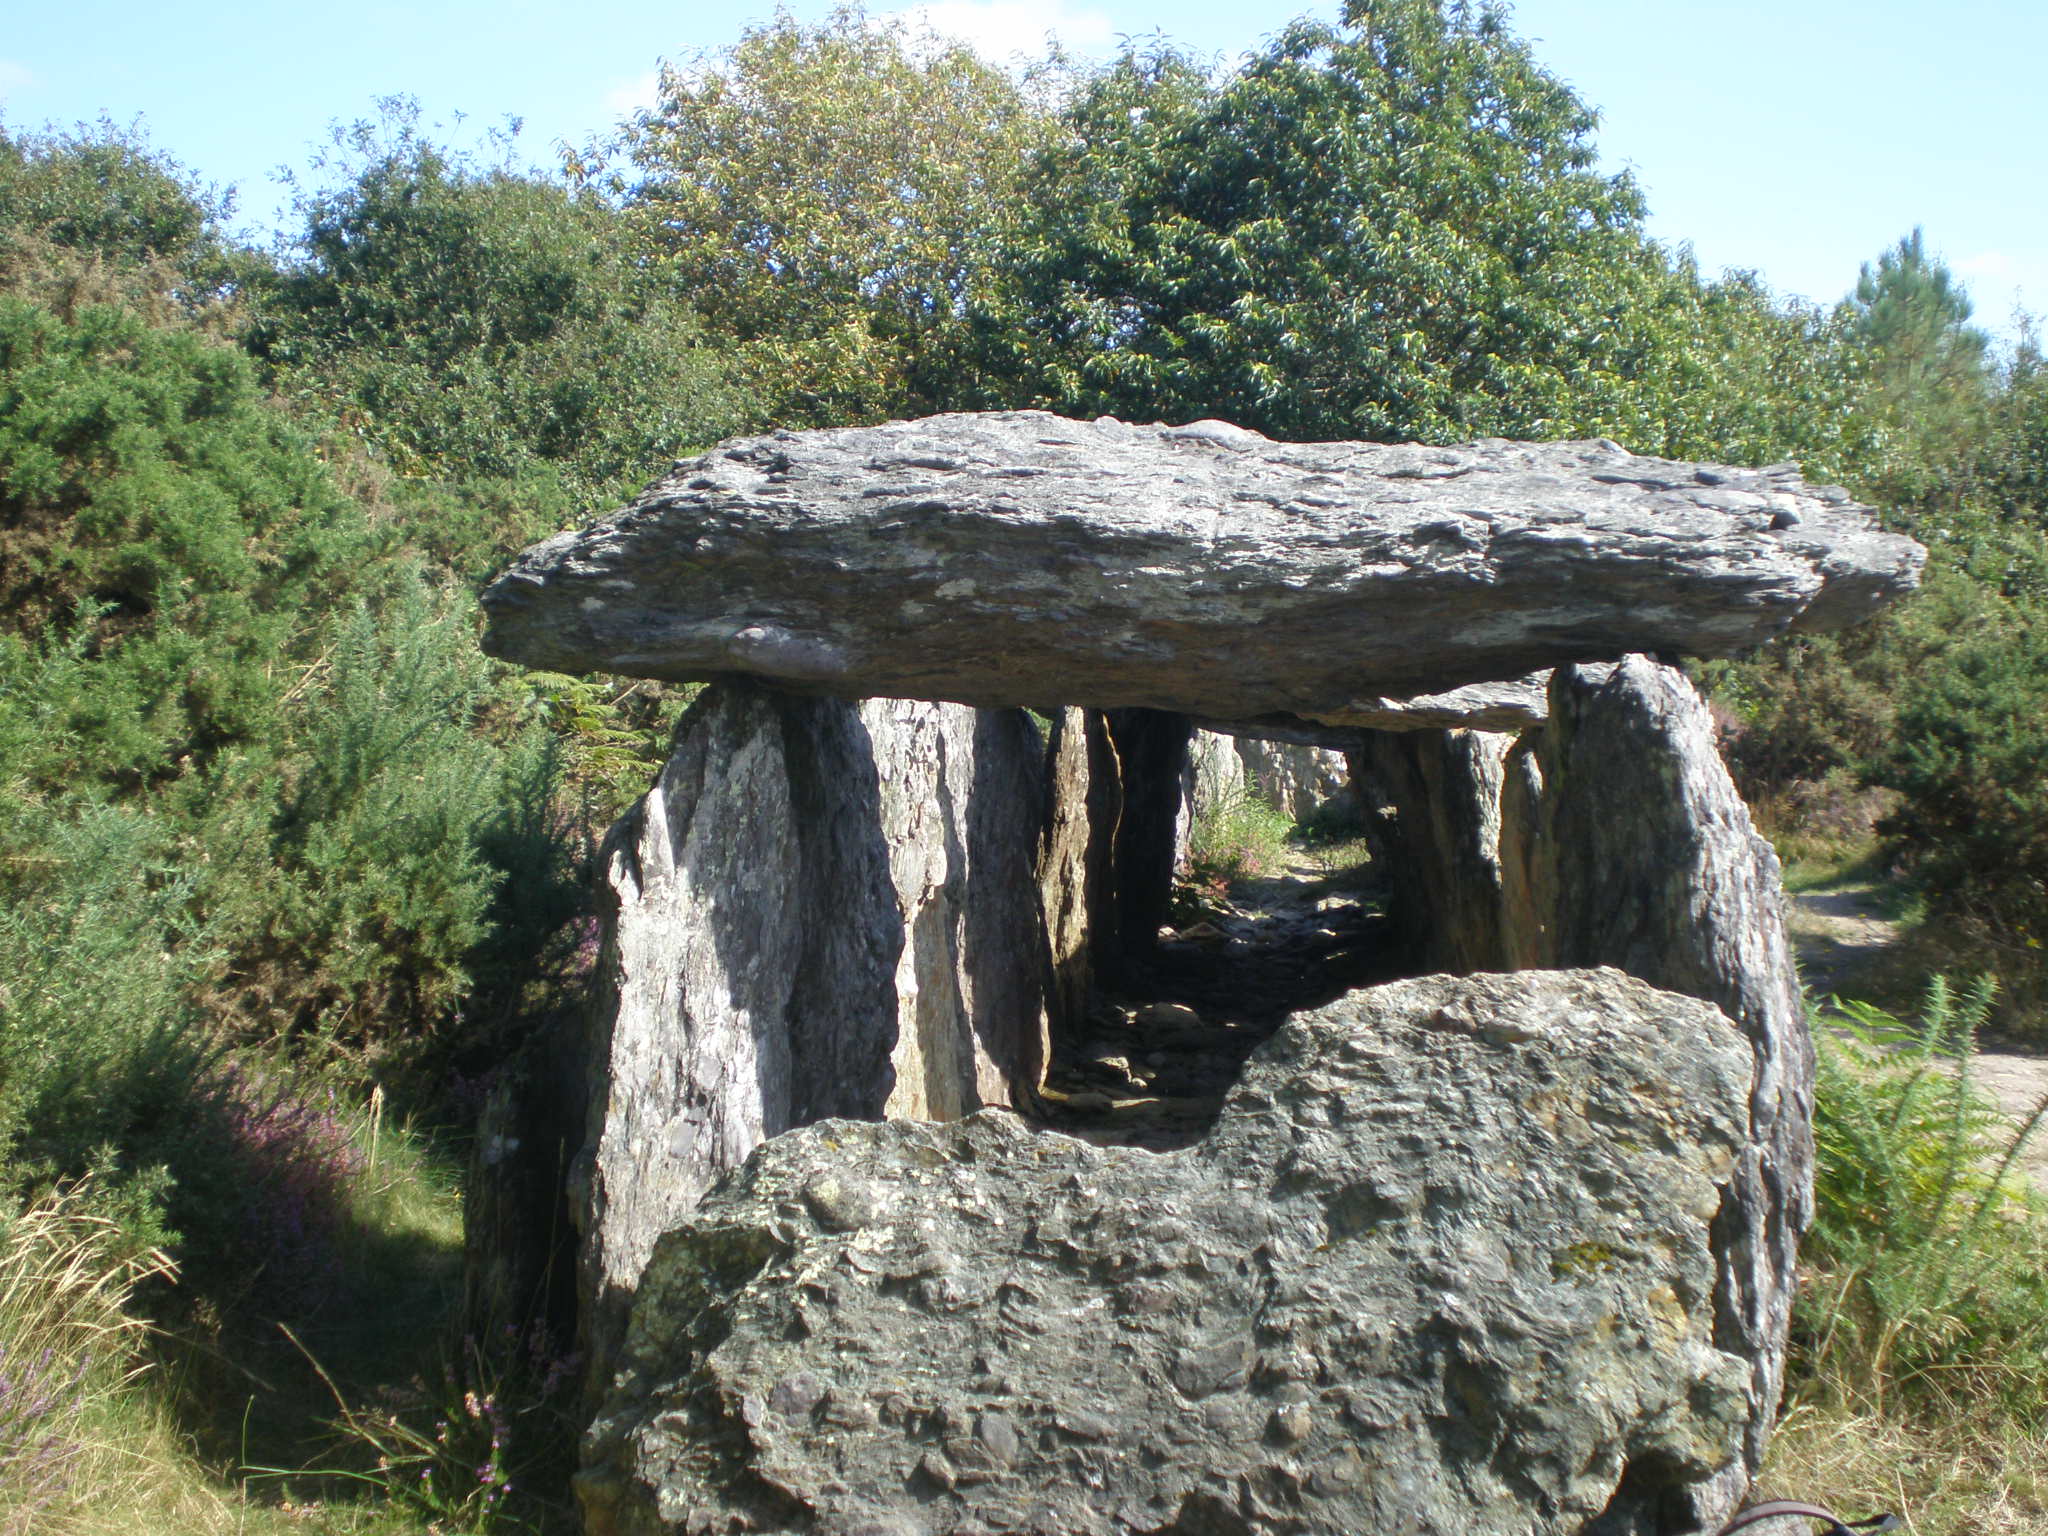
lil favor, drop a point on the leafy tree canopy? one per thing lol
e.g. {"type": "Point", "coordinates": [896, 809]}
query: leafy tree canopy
{"type": "Point", "coordinates": [1388, 228]}
{"type": "Point", "coordinates": [471, 319]}
{"type": "Point", "coordinates": [96, 214]}
{"type": "Point", "coordinates": [827, 195]}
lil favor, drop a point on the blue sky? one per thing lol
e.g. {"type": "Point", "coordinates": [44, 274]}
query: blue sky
{"type": "Point", "coordinates": [1795, 137]}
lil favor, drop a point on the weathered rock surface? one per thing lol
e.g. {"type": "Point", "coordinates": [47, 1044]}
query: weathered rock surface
{"type": "Point", "coordinates": [1475, 707]}
{"type": "Point", "coordinates": [1136, 828]}
{"type": "Point", "coordinates": [1432, 806]}
{"type": "Point", "coordinates": [1067, 857]}
{"type": "Point", "coordinates": [1445, 1266]}
{"type": "Point", "coordinates": [1292, 778]}
{"type": "Point", "coordinates": [820, 909]}
{"type": "Point", "coordinates": [1211, 777]}
{"type": "Point", "coordinates": [1020, 558]}
{"type": "Point", "coordinates": [1295, 780]}
{"type": "Point", "coordinates": [1625, 843]}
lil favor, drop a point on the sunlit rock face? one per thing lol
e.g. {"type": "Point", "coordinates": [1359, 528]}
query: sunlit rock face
{"type": "Point", "coordinates": [1019, 558]}
{"type": "Point", "coordinates": [820, 909]}
{"type": "Point", "coordinates": [1476, 1252]}
{"type": "Point", "coordinates": [1445, 1265]}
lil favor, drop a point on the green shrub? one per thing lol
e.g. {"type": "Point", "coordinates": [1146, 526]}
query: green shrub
{"type": "Point", "coordinates": [98, 1049]}
{"type": "Point", "coordinates": [1931, 1257]}
{"type": "Point", "coordinates": [1966, 756]}
{"type": "Point", "coordinates": [151, 498]}
{"type": "Point", "coordinates": [353, 873]}
{"type": "Point", "coordinates": [1239, 837]}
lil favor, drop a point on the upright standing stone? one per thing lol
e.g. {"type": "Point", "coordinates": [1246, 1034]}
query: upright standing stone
{"type": "Point", "coordinates": [1137, 757]}
{"type": "Point", "coordinates": [1431, 801]}
{"type": "Point", "coordinates": [820, 909]}
{"type": "Point", "coordinates": [1063, 867]}
{"type": "Point", "coordinates": [1637, 852]}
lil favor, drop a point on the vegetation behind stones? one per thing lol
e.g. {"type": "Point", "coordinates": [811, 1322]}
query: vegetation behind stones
{"type": "Point", "coordinates": [276, 838]}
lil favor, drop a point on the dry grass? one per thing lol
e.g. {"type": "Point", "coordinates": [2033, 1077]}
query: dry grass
{"type": "Point", "coordinates": [1942, 1478]}
{"type": "Point", "coordinates": [84, 1451]}
{"type": "Point", "coordinates": [88, 1443]}
{"type": "Point", "coordinates": [68, 1344]}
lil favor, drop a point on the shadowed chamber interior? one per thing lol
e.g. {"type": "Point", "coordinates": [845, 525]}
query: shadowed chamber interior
{"type": "Point", "coordinates": [1196, 962]}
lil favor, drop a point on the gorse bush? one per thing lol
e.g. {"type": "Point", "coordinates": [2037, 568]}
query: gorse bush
{"type": "Point", "coordinates": [1965, 757]}
{"type": "Point", "coordinates": [97, 215]}
{"type": "Point", "coordinates": [154, 504]}
{"type": "Point", "coordinates": [354, 870]}
{"type": "Point", "coordinates": [1931, 1290]}
{"type": "Point", "coordinates": [98, 1042]}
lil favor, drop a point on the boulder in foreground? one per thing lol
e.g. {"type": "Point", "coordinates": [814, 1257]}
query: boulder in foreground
{"type": "Point", "coordinates": [1445, 1266]}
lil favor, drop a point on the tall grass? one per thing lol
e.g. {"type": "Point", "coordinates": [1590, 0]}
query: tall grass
{"type": "Point", "coordinates": [1239, 837]}
{"type": "Point", "coordinates": [68, 1341]}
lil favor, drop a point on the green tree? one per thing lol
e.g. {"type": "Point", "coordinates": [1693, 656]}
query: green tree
{"type": "Point", "coordinates": [97, 215]}
{"type": "Point", "coordinates": [1388, 228]}
{"type": "Point", "coordinates": [472, 321]}
{"type": "Point", "coordinates": [1910, 311]}
{"type": "Point", "coordinates": [826, 196]}
{"type": "Point", "coordinates": [1972, 733]}
{"type": "Point", "coordinates": [1930, 381]}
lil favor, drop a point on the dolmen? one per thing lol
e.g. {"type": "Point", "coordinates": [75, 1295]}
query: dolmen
{"type": "Point", "coordinates": [1508, 1246]}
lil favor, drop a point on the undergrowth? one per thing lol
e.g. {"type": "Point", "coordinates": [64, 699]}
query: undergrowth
{"type": "Point", "coordinates": [1919, 1374]}
{"type": "Point", "coordinates": [69, 1341]}
{"type": "Point", "coordinates": [328, 1389]}
{"type": "Point", "coordinates": [1239, 837]}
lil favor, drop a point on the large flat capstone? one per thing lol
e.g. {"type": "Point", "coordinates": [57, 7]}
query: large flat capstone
{"type": "Point", "coordinates": [1019, 558]}
{"type": "Point", "coordinates": [1446, 1265]}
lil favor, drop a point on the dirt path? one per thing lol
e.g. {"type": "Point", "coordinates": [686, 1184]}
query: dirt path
{"type": "Point", "coordinates": [1837, 933]}
{"type": "Point", "coordinates": [1164, 1046]}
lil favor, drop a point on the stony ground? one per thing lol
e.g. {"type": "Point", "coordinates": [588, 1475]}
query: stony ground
{"type": "Point", "coordinates": [1162, 1049]}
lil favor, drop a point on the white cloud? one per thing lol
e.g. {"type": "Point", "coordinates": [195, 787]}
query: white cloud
{"type": "Point", "coordinates": [630, 96]}
{"type": "Point", "coordinates": [14, 77]}
{"type": "Point", "coordinates": [1005, 31]}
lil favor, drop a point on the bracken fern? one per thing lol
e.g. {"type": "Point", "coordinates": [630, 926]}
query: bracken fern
{"type": "Point", "coordinates": [1930, 1282]}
